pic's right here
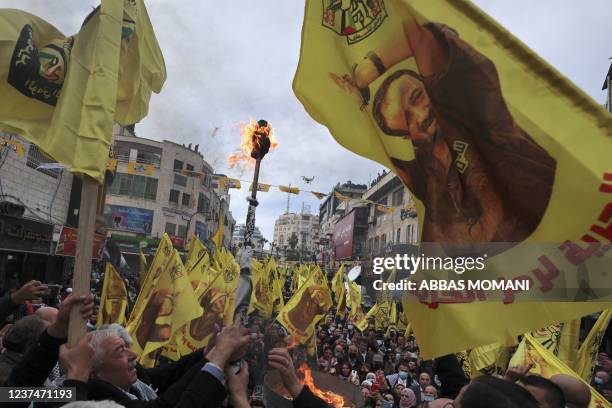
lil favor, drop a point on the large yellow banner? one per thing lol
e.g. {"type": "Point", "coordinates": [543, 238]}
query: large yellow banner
{"type": "Point", "coordinates": [496, 146]}
{"type": "Point", "coordinates": [64, 93]}
{"type": "Point", "coordinates": [114, 299]}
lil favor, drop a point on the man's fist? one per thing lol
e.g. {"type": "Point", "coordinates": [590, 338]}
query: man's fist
{"type": "Point", "coordinates": [32, 290]}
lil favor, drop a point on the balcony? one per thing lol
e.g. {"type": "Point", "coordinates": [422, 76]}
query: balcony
{"type": "Point", "coordinates": [125, 159]}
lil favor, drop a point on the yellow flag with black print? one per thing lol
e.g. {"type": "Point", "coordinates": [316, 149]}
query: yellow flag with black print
{"type": "Point", "coordinates": [195, 251]}
{"type": "Point", "coordinates": [162, 257]}
{"type": "Point", "coordinates": [114, 299]}
{"type": "Point", "coordinates": [546, 364]}
{"type": "Point", "coordinates": [171, 305]}
{"type": "Point", "coordinates": [217, 298]}
{"type": "Point", "coordinates": [587, 353]}
{"type": "Point", "coordinates": [143, 268]}
{"type": "Point", "coordinates": [64, 93]}
{"type": "Point", "coordinates": [483, 133]}
{"type": "Point", "coordinates": [362, 323]}
{"type": "Point", "coordinates": [306, 307]}
{"type": "Point", "coordinates": [262, 293]}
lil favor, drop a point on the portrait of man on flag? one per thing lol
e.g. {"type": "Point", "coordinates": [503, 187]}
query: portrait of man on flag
{"type": "Point", "coordinates": [480, 176]}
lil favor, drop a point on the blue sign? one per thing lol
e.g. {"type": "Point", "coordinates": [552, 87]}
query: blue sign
{"type": "Point", "coordinates": [200, 230]}
{"type": "Point", "coordinates": [130, 219]}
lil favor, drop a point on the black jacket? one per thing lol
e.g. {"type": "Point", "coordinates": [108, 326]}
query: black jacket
{"type": "Point", "coordinates": [180, 384]}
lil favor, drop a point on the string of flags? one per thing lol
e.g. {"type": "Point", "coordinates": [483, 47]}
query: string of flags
{"type": "Point", "coordinates": [225, 182]}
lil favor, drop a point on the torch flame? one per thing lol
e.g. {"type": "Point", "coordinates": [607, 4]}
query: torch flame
{"type": "Point", "coordinates": [249, 141]}
{"type": "Point", "coordinates": [335, 400]}
{"type": "Point", "coordinates": [292, 342]}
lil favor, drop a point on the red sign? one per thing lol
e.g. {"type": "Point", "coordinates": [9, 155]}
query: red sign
{"type": "Point", "coordinates": [343, 236]}
{"type": "Point", "coordinates": [177, 242]}
{"type": "Point", "coordinates": [66, 246]}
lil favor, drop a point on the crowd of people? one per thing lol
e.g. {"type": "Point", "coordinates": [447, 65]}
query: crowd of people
{"type": "Point", "coordinates": [230, 371]}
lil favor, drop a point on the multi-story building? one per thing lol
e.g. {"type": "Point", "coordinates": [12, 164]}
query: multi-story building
{"type": "Point", "coordinates": [30, 225]}
{"type": "Point", "coordinates": [330, 211]}
{"type": "Point", "coordinates": [238, 238]}
{"type": "Point", "coordinates": [162, 186]}
{"type": "Point", "coordinates": [303, 226]}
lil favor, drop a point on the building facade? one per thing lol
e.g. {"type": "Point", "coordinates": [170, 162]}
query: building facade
{"type": "Point", "coordinates": [300, 229]}
{"type": "Point", "coordinates": [238, 238]}
{"type": "Point", "coordinates": [41, 198]}
{"type": "Point", "coordinates": [163, 187]}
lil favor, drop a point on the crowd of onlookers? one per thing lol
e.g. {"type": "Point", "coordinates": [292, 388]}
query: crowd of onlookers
{"type": "Point", "coordinates": [385, 365]}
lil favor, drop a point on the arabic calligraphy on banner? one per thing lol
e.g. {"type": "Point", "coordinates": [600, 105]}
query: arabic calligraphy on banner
{"type": "Point", "coordinates": [23, 235]}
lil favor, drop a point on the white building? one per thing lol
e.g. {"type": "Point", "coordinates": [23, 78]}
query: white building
{"type": "Point", "coordinates": [258, 238]}
{"type": "Point", "coordinates": [175, 192]}
{"type": "Point", "coordinates": [45, 196]}
{"type": "Point", "coordinates": [305, 227]}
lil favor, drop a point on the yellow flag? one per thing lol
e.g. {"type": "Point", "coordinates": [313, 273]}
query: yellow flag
{"type": "Point", "coordinates": [382, 315]}
{"type": "Point", "coordinates": [546, 365]}
{"type": "Point", "coordinates": [143, 268]}
{"type": "Point", "coordinates": [342, 197]}
{"type": "Point", "coordinates": [319, 196]}
{"type": "Point", "coordinates": [140, 169]}
{"type": "Point", "coordinates": [142, 69]}
{"type": "Point", "coordinates": [217, 297]}
{"type": "Point", "coordinates": [568, 343]}
{"type": "Point", "coordinates": [226, 183]}
{"type": "Point", "coordinates": [261, 295]}
{"type": "Point", "coordinates": [587, 353]}
{"type": "Point", "coordinates": [306, 307]}
{"type": "Point", "coordinates": [354, 302]}
{"type": "Point", "coordinates": [217, 237]}
{"type": "Point", "coordinates": [114, 299]}
{"type": "Point", "coordinates": [195, 251]}
{"type": "Point", "coordinates": [337, 284]}
{"type": "Point", "coordinates": [289, 189]}
{"type": "Point", "coordinates": [362, 323]}
{"type": "Point", "coordinates": [62, 93]}
{"type": "Point", "coordinates": [162, 256]}
{"type": "Point", "coordinates": [491, 359]}
{"type": "Point", "coordinates": [264, 188]}
{"type": "Point", "coordinates": [483, 106]}
{"type": "Point", "coordinates": [171, 305]}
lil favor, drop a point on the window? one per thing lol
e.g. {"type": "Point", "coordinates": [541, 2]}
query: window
{"type": "Point", "coordinates": [383, 240]}
{"type": "Point", "coordinates": [135, 186]}
{"type": "Point", "coordinates": [174, 196]}
{"type": "Point", "coordinates": [203, 203]}
{"type": "Point", "coordinates": [36, 158]}
{"type": "Point", "coordinates": [178, 165]}
{"type": "Point", "coordinates": [189, 167]}
{"type": "Point", "coordinates": [170, 228]}
{"type": "Point", "coordinates": [409, 233]}
{"type": "Point", "coordinates": [398, 197]}
{"type": "Point", "coordinates": [397, 236]}
{"type": "Point", "coordinates": [180, 180]}
{"type": "Point", "coordinates": [186, 198]}
{"type": "Point", "coordinates": [182, 231]}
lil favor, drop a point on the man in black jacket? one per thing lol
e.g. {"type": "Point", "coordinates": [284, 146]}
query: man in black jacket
{"type": "Point", "coordinates": [192, 381]}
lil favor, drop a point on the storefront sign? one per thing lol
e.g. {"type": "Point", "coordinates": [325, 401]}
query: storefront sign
{"type": "Point", "coordinates": [66, 246]}
{"type": "Point", "coordinates": [24, 235]}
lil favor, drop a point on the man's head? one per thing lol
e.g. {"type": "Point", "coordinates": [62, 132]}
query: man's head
{"type": "Point", "coordinates": [577, 393]}
{"type": "Point", "coordinates": [353, 351]}
{"type": "Point", "coordinates": [24, 334]}
{"type": "Point", "coordinates": [49, 314]}
{"type": "Point", "coordinates": [115, 362]}
{"type": "Point", "coordinates": [547, 393]}
{"type": "Point", "coordinates": [402, 107]}
{"type": "Point", "coordinates": [362, 347]}
{"type": "Point", "coordinates": [424, 379]}
{"type": "Point", "coordinates": [430, 393]}
{"type": "Point", "coordinates": [487, 391]}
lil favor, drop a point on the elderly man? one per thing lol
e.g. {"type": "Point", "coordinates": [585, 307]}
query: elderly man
{"type": "Point", "coordinates": [20, 338]}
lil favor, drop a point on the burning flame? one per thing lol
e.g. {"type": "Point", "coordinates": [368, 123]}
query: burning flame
{"type": "Point", "coordinates": [335, 400]}
{"type": "Point", "coordinates": [291, 342]}
{"type": "Point", "coordinates": [249, 142]}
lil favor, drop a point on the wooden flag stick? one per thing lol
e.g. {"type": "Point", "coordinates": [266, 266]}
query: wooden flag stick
{"type": "Point", "coordinates": [84, 251]}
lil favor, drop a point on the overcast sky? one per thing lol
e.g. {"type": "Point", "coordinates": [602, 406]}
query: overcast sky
{"type": "Point", "coordinates": [234, 60]}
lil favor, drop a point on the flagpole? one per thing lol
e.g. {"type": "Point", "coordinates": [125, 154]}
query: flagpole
{"type": "Point", "coordinates": [84, 251]}
{"type": "Point", "coordinates": [250, 219]}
